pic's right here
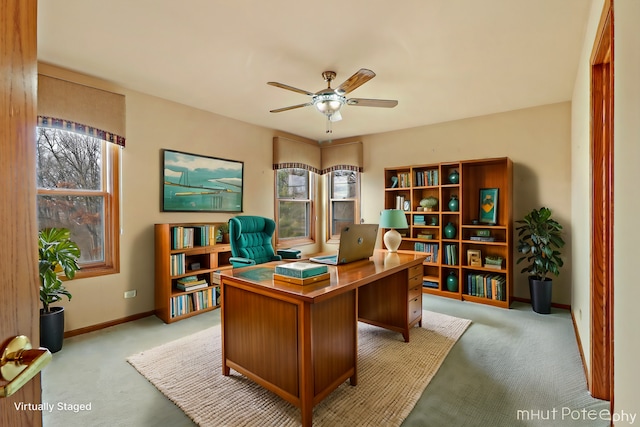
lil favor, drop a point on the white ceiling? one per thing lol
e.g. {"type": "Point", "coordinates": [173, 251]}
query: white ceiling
{"type": "Point", "coordinates": [441, 59]}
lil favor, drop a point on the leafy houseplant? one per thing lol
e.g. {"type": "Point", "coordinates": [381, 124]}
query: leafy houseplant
{"type": "Point", "coordinates": [540, 237]}
{"type": "Point", "coordinates": [57, 253]}
{"type": "Point", "coordinates": [223, 229]}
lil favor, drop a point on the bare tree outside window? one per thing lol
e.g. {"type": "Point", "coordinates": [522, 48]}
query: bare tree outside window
{"type": "Point", "coordinates": [73, 178]}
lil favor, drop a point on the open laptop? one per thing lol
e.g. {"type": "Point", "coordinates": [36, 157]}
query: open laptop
{"type": "Point", "coordinates": [357, 242]}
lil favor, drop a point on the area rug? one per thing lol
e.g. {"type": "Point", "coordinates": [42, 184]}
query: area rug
{"type": "Point", "coordinates": [392, 375]}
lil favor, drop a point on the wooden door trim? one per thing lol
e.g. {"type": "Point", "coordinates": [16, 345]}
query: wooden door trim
{"type": "Point", "coordinates": [602, 75]}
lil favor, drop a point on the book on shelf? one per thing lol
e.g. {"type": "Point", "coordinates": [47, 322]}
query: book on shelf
{"type": "Point", "coordinates": [177, 264]}
{"type": "Point", "coordinates": [201, 284]}
{"type": "Point", "coordinates": [493, 266]}
{"type": "Point", "coordinates": [187, 303]}
{"type": "Point", "coordinates": [404, 179]}
{"type": "Point", "coordinates": [301, 269]}
{"type": "Point", "coordinates": [426, 177]}
{"type": "Point", "coordinates": [430, 248]}
{"type": "Point", "coordinates": [430, 284]}
{"type": "Point", "coordinates": [487, 285]}
{"type": "Point", "coordinates": [324, 277]}
{"type": "Point", "coordinates": [482, 238]}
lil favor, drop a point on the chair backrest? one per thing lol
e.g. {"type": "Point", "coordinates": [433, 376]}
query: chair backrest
{"type": "Point", "coordinates": [250, 237]}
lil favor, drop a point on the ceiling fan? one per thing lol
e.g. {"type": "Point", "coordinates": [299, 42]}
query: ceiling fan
{"type": "Point", "coordinates": [328, 101]}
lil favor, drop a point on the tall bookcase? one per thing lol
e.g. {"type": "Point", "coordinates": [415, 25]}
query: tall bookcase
{"type": "Point", "coordinates": [481, 282]}
{"type": "Point", "coordinates": [184, 250]}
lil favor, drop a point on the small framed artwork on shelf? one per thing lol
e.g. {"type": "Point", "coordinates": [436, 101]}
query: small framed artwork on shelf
{"type": "Point", "coordinates": [488, 212]}
{"type": "Point", "coordinates": [474, 257]}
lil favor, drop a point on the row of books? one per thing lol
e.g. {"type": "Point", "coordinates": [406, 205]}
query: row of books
{"type": "Point", "coordinates": [177, 264]}
{"type": "Point", "coordinates": [404, 179]}
{"type": "Point", "coordinates": [188, 237]}
{"type": "Point", "coordinates": [428, 178]}
{"type": "Point", "coordinates": [487, 285]}
{"type": "Point", "coordinates": [427, 247]}
{"type": "Point", "coordinates": [183, 304]}
{"type": "Point", "coordinates": [419, 220]}
{"type": "Point", "coordinates": [450, 255]}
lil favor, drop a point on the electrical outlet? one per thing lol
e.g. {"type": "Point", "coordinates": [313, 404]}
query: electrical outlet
{"type": "Point", "coordinates": [130, 294]}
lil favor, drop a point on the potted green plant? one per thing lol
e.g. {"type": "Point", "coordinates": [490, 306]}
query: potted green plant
{"type": "Point", "coordinates": [57, 255]}
{"type": "Point", "coordinates": [540, 237]}
{"type": "Point", "coordinates": [223, 229]}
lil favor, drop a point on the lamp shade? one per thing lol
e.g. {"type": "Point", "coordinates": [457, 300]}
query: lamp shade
{"type": "Point", "coordinates": [393, 218]}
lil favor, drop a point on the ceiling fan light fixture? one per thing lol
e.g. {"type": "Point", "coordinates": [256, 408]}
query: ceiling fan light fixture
{"type": "Point", "coordinates": [328, 103]}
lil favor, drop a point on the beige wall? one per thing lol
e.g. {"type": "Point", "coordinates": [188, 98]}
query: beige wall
{"type": "Point", "coordinates": [154, 124]}
{"type": "Point", "coordinates": [581, 187]}
{"type": "Point", "coordinates": [536, 139]}
{"type": "Point", "coordinates": [627, 205]}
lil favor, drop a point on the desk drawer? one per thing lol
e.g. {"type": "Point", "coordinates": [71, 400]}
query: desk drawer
{"type": "Point", "coordinates": [414, 292]}
{"type": "Point", "coordinates": [415, 281]}
{"type": "Point", "coordinates": [415, 308]}
{"type": "Point", "coordinates": [415, 271]}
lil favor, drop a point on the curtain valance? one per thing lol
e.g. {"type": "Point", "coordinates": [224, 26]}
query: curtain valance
{"type": "Point", "coordinates": [83, 109]}
{"type": "Point", "coordinates": [345, 156]}
{"type": "Point", "coordinates": [291, 153]}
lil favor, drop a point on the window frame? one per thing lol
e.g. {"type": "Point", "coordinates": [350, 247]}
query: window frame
{"type": "Point", "coordinates": [289, 242]}
{"type": "Point", "coordinates": [110, 191]}
{"type": "Point", "coordinates": [330, 237]}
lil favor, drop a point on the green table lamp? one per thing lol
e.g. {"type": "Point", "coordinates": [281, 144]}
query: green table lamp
{"type": "Point", "coordinates": [393, 219]}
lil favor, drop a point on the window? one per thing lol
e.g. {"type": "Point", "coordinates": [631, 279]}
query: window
{"type": "Point", "coordinates": [78, 189]}
{"type": "Point", "coordinates": [343, 201]}
{"type": "Point", "coordinates": [294, 206]}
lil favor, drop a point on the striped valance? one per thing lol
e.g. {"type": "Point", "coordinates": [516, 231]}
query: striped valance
{"type": "Point", "coordinates": [80, 108]}
{"type": "Point", "coordinates": [50, 122]}
{"type": "Point", "coordinates": [295, 166]}
{"type": "Point", "coordinates": [293, 153]}
{"type": "Point", "coordinates": [341, 156]}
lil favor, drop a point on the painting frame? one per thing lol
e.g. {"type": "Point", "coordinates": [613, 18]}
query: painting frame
{"type": "Point", "coordinates": [488, 206]}
{"type": "Point", "coordinates": [199, 183]}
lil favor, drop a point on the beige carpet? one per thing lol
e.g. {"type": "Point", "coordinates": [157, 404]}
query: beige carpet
{"type": "Point", "coordinates": [392, 375]}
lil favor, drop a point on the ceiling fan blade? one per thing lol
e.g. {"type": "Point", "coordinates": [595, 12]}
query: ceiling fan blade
{"type": "Point", "coordinates": [361, 102]}
{"type": "Point", "coordinates": [293, 107]}
{"type": "Point", "coordinates": [335, 117]}
{"type": "Point", "coordinates": [295, 89]}
{"type": "Point", "coordinates": [358, 79]}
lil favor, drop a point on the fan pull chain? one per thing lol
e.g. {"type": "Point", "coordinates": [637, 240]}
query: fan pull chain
{"type": "Point", "coordinates": [329, 128]}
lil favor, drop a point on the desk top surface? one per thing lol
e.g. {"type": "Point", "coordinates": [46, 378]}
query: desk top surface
{"type": "Point", "coordinates": [343, 277]}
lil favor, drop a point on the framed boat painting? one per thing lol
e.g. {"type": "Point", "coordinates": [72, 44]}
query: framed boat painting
{"type": "Point", "coordinates": [196, 183]}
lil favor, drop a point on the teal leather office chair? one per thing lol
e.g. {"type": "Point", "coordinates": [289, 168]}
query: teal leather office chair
{"type": "Point", "coordinates": [250, 238]}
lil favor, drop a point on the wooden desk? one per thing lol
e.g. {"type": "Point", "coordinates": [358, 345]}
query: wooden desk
{"type": "Point", "coordinates": [301, 342]}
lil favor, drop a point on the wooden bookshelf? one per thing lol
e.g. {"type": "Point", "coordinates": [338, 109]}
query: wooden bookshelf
{"type": "Point", "coordinates": [406, 186]}
{"type": "Point", "coordinates": [178, 255]}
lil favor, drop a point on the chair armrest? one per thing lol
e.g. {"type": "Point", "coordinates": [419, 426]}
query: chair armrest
{"type": "Point", "coordinates": [290, 253]}
{"type": "Point", "coordinates": [241, 262]}
{"type": "Point", "coordinates": [276, 258]}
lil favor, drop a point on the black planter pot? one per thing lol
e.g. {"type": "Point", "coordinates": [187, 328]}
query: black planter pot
{"type": "Point", "coordinates": [540, 291]}
{"type": "Point", "coordinates": [52, 329]}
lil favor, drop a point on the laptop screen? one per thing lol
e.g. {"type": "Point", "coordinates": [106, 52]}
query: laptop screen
{"type": "Point", "coordinates": [357, 241]}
